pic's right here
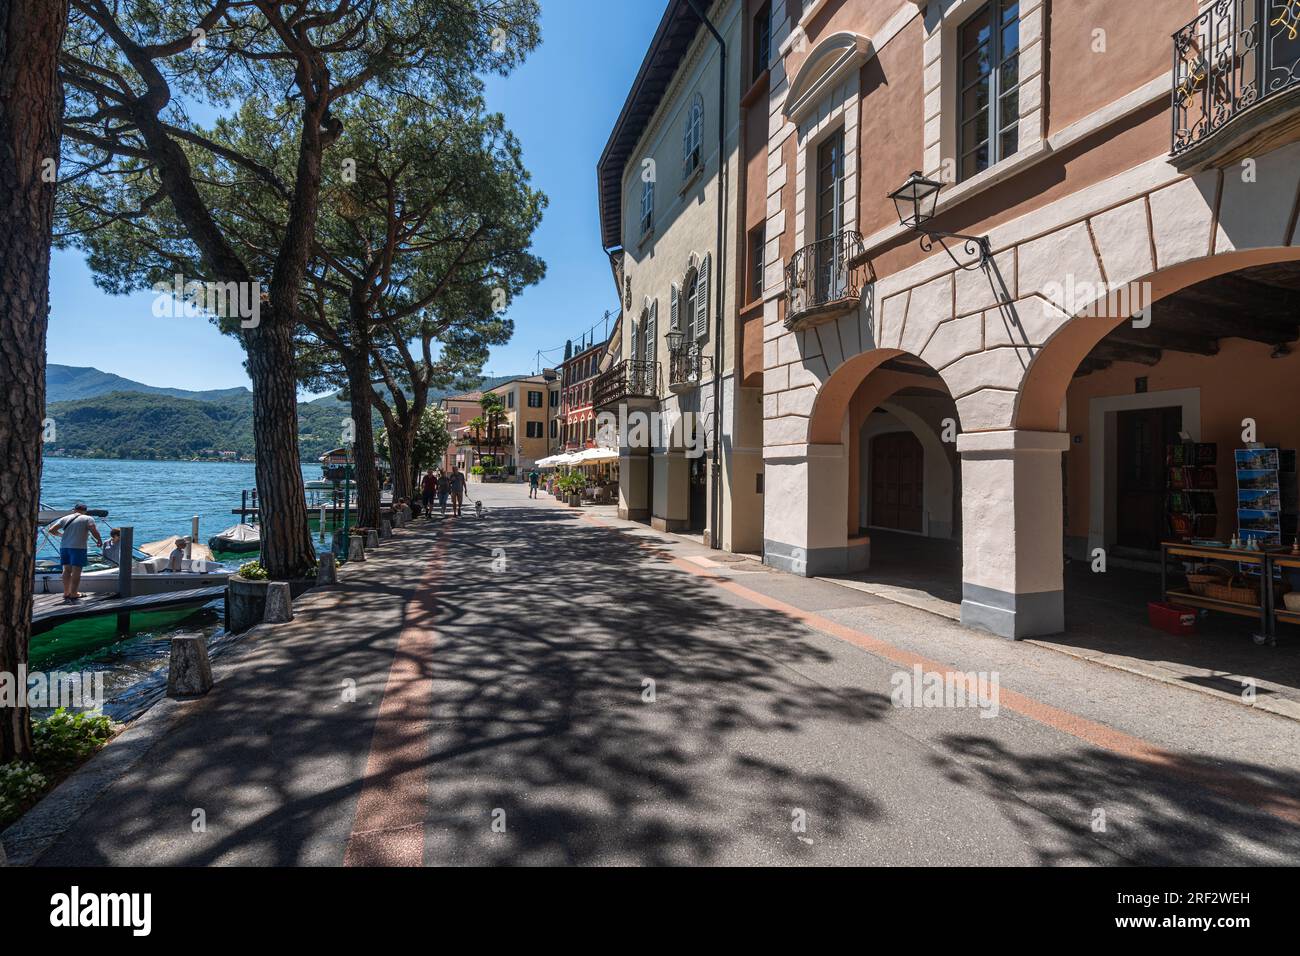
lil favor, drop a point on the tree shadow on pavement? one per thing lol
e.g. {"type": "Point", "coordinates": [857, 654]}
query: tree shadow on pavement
{"type": "Point", "coordinates": [1098, 806]}
{"type": "Point", "coordinates": [541, 709]}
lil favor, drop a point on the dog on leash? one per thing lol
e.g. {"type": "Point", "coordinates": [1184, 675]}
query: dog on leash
{"type": "Point", "coordinates": [478, 509]}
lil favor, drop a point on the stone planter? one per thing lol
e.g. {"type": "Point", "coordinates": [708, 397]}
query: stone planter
{"type": "Point", "coordinates": [575, 501]}
{"type": "Point", "coordinates": [246, 600]}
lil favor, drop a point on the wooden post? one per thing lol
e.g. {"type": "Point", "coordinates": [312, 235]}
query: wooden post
{"type": "Point", "coordinates": [194, 536]}
{"type": "Point", "coordinates": [243, 505]}
{"type": "Point", "coordinates": [125, 562]}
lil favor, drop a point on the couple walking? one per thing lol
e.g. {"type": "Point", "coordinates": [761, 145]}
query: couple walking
{"type": "Point", "coordinates": [441, 484]}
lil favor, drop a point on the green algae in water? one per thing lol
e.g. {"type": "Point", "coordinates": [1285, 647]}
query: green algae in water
{"type": "Point", "coordinates": [73, 640]}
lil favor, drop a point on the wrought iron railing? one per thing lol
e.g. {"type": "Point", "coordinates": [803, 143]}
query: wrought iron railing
{"type": "Point", "coordinates": [685, 366]}
{"type": "Point", "coordinates": [624, 380]}
{"type": "Point", "coordinates": [503, 436]}
{"type": "Point", "coordinates": [822, 273]}
{"type": "Point", "coordinates": [1234, 55]}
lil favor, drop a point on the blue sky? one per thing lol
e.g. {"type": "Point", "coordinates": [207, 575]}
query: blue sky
{"type": "Point", "coordinates": [561, 104]}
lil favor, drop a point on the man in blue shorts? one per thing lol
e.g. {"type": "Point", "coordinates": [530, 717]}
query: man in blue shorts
{"type": "Point", "coordinates": [72, 553]}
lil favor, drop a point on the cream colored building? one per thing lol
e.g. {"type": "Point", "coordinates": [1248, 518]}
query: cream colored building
{"type": "Point", "coordinates": [669, 193]}
{"type": "Point", "coordinates": [532, 415]}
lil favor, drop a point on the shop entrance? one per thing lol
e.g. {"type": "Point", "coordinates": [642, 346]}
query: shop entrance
{"type": "Point", "coordinates": [897, 481]}
{"type": "Point", "coordinates": [1142, 437]}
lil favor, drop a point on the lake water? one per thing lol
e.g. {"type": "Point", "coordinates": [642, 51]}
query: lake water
{"type": "Point", "coordinates": [157, 499]}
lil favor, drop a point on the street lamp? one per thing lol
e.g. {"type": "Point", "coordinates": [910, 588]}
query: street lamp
{"type": "Point", "coordinates": [674, 339]}
{"type": "Point", "coordinates": [916, 201]}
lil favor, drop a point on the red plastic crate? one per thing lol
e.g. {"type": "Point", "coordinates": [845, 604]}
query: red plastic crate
{"type": "Point", "coordinates": [1172, 619]}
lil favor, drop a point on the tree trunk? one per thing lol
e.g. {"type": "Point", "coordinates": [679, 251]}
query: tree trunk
{"type": "Point", "coordinates": [399, 447]}
{"type": "Point", "coordinates": [287, 551]}
{"type": "Point", "coordinates": [367, 475]}
{"type": "Point", "coordinates": [31, 109]}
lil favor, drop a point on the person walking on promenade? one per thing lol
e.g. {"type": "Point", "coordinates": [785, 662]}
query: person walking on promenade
{"type": "Point", "coordinates": [429, 488]}
{"type": "Point", "coordinates": [444, 489]}
{"type": "Point", "coordinates": [73, 529]}
{"type": "Point", "coordinates": [456, 484]}
{"type": "Point", "coordinates": [534, 479]}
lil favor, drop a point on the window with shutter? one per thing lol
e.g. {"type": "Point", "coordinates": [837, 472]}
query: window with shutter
{"type": "Point", "coordinates": [702, 301]}
{"type": "Point", "coordinates": [689, 304]}
{"type": "Point", "coordinates": [674, 309]}
{"type": "Point", "coordinates": [652, 334]}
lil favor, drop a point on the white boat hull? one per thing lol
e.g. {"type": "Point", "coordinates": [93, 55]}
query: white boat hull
{"type": "Point", "coordinates": [105, 582]}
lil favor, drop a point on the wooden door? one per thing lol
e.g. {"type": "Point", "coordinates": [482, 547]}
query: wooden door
{"type": "Point", "coordinates": [1140, 486]}
{"type": "Point", "coordinates": [897, 481]}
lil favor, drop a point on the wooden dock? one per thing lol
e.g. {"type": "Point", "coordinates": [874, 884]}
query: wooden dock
{"type": "Point", "coordinates": [49, 610]}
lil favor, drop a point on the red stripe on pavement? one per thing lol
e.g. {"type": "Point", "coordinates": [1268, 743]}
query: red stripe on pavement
{"type": "Point", "coordinates": [1284, 806]}
{"type": "Point", "coordinates": [389, 826]}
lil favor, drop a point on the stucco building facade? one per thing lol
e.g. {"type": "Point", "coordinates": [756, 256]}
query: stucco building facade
{"type": "Point", "coordinates": [1022, 384]}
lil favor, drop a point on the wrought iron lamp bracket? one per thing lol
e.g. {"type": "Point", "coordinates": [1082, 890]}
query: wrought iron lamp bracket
{"type": "Point", "coordinates": [977, 247]}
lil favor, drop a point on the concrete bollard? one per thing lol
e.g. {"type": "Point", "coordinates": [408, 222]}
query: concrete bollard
{"type": "Point", "coordinates": [279, 603]}
{"type": "Point", "coordinates": [397, 518]}
{"type": "Point", "coordinates": [356, 549]}
{"type": "Point", "coordinates": [385, 529]}
{"type": "Point", "coordinates": [326, 571]}
{"type": "Point", "coordinates": [189, 673]}
{"type": "Point", "coordinates": [372, 538]}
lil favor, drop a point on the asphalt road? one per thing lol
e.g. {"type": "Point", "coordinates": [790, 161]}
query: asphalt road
{"type": "Point", "coordinates": [544, 685]}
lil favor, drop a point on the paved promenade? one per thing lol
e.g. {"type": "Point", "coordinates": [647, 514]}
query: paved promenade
{"type": "Point", "coordinates": [549, 685]}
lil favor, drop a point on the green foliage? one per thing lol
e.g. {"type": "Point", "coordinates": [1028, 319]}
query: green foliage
{"type": "Point", "coordinates": [60, 742]}
{"type": "Point", "coordinates": [431, 440]}
{"type": "Point", "coordinates": [65, 738]}
{"type": "Point", "coordinates": [571, 484]}
{"type": "Point", "coordinates": [21, 785]}
{"type": "Point", "coordinates": [253, 571]}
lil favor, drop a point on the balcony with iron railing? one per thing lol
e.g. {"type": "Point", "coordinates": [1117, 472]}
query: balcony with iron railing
{"type": "Point", "coordinates": [504, 437]}
{"type": "Point", "coordinates": [821, 281]}
{"type": "Point", "coordinates": [686, 363]}
{"type": "Point", "coordinates": [626, 380]}
{"type": "Point", "coordinates": [1236, 72]}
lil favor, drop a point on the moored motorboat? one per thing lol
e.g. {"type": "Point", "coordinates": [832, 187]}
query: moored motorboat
{"type": "Point", "coordinates": [237, 540]}
{"type": "Point", "coordinates": [150, 574]}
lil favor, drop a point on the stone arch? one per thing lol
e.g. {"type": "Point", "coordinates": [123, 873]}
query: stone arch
{"type": "Point", "coordinates": [1051, 367]}
{"type": "Point", "coordinates": [826, 424]}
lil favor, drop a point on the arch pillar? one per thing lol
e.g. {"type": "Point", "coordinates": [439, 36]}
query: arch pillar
{"type": "Point", "coordinates": [801, 534]}
{"type": "Point", "coordinates": [1013, 539]}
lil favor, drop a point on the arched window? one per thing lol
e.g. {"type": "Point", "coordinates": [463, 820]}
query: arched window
{"type": "Point", "coordinates": [690, 305]}
{"type": "Point", "coordinates": [692, 136]}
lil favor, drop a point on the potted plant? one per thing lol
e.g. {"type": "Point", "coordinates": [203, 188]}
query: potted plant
{"type": "Point", "coordinates": [246, 595]}
{"type": "Point", "coordinates": [570, 488]}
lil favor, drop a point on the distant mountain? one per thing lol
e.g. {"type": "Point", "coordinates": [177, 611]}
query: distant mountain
{"type": "Point", "coordinates": [65, 383]}
{"type": "Point", "coordinates": [160, 423]}
{"type": "Point", "coordinates": [141, 425]}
